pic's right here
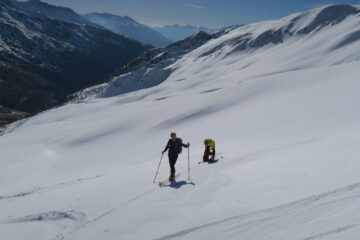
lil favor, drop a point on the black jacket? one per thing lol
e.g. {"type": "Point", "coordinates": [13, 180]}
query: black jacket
{"type": "Point", "coordinates": [172, 146]}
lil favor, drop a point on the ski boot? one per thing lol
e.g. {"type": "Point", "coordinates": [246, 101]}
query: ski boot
{"type": "Point", "coordinates": [172, 179]}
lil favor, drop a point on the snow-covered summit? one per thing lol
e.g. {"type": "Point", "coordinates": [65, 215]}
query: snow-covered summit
{"type": "Point", "coordinates": [300, 25]}
{"type": "Point", "coordinates": [308, 21]}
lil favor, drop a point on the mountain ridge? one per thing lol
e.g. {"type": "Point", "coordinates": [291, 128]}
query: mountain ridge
{"type": "Point", "coordinates": [129, 27]}
{"type": "Point", "coordinates": [178, 32]}
{"type": "Point", "coordinates": [50, 58]}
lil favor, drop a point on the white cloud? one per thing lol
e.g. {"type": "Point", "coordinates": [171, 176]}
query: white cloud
{"type": "Point", "coordinates": [195, 6]}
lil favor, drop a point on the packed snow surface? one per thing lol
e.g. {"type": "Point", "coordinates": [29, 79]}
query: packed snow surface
{"type": "Point", "coordinates": [282, 109]}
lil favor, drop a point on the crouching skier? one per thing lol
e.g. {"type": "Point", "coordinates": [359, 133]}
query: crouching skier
{"type": "Point", "coordinates": [174, 146]}
{"type": "Point", "coordinates": [209, 150]}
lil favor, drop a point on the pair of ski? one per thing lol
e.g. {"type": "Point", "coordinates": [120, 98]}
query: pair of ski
{"type": "Point", "coordinates": [212, 161]}
{"type": "Point", "coordinates": [167, 182]}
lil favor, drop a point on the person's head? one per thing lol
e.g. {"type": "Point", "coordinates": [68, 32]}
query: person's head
{"type": "Point", "coordinates": [206, 141]}
{"type": "Point", "coordinates": [173, 136]}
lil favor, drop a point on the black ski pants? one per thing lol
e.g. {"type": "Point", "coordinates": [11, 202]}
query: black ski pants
{"type": "Point", "coordinates": [172, 161]}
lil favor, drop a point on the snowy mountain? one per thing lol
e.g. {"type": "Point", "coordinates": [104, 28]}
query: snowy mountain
{"type": "Point", "coordinates": [56, 12]}
{"type": "Point", "coordinates": [278, 97]}
{"type": "Point", "coordinates": [128, 27]}
{"type": "Point", "coordinates": [147, 70]}
{"type": "Point", "coordinates": [42, 59]}
{"type": "Point", "coordinates": [177, 32]}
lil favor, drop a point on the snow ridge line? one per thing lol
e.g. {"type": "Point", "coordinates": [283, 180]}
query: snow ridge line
{"type": "Point", "coordinates": [284, 207]}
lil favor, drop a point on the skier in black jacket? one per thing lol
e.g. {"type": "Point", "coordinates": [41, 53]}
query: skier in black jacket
{"type": "Point", "coordinates": [174, 146]}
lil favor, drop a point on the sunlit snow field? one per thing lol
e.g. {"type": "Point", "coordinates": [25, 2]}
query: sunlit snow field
{"type": "Point", "coordinates": [285, 117]}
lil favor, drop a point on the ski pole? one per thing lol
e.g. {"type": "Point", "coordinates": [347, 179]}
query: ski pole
{"type": "Point", "coordinates": [189, 163]}
{"type": "Point", "coordinates": [158, 167]}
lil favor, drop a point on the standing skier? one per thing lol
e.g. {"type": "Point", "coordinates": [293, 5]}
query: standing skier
{"type": "Point", "coordinates": [174, 146]}
{"type": "Point", "coordinates": [209, 150]}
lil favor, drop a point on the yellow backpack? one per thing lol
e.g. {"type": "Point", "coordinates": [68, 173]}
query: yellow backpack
{"type": "Point", "coordinates": [210, 143]}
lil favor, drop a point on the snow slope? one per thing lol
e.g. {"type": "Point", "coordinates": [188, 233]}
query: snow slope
{"type": "Point", "coordinates": [279, 98]}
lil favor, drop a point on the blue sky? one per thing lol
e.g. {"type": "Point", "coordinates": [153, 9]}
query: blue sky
{"type": "Point", "coordinates": [208, 13]}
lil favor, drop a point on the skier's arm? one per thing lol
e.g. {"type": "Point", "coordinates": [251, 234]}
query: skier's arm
{"type": "Point", "coordinates": [186, 145]}
{"type": "Point", "coordinates": [167, 147]}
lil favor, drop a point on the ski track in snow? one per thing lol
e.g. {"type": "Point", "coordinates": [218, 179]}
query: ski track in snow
{"type": "Point", "coordinates": [126, 203]}
{"type": "Point", "coordinates": [278, 213]}
{"type": "Point", "coordinates": [182, 183]}
{"type": "Point", "coordinates": [177, 185]}
{"type": "Point", "coordinates": [333, 232]}
{"type": "Point", "coordinates": [48, 188]}
{"type": "Point", "coordinates": [123, 205]}
{"type": "Point", "coordinates": [139, 196]}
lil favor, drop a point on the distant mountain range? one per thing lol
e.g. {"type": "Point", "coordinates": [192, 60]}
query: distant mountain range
{"type": "Point", "coordinates": [57, 12]}
{"type": "Point", "coordinates": [177, 32]}
{"type": "Point", "coordinates": [49, 52]}
{"type": "Point", "coordinates": [128, 27]}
